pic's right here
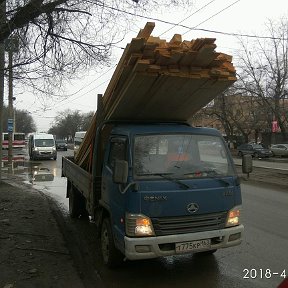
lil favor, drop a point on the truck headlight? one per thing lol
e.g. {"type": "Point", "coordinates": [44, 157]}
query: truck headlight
{"type": "Point", "coordinates": [233, 218]}
{"type": "Point", "coordinates": [138, 225]}
{"type": "Point", "coordinates": [35, 149]}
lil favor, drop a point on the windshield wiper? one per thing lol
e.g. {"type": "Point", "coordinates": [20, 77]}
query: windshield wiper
{"type": "Point", "coordinates": [211, 174]}
{"type": "Point", "coordinates": [167, 177]}
{"type": "Point", "coordinates": [222, 180]}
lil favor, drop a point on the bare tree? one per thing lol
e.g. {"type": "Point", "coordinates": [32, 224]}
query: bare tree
{"type": "Point", "coordinates": [86, 120]}
{"type": "Point", "coordinates": [237, 114]}
{"type": "Point", "coordinates": [58, 39]}
{"type": "Point", "coordinates": [264, 73]}
{"type": "Point", "coordinates": [68, 122]}
{"type": "Point", "coordinates": [24, 122]}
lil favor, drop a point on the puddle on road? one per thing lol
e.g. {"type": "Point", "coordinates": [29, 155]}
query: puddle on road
{"type": "Point", "coordinates": [41, 177]}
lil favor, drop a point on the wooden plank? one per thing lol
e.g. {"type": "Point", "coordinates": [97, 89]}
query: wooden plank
{"type": "Point", "coordinates": [161, 81]}
{"type": "Point", "coordinates": [133, 58]}
{"type": "Point", "coordinates": [200, 42]}
{"type": "Point", "coordinates": [140, 82]}
{"type": "Point", "coordinates": [174, 69]}
{"type": "Point", "coordinates": [163, 97]}
{"type": "Point", "coordinates": [205, 55]}
{"type": "Point", "coordinates": [154, 40]}
{"type": "Point", "coordinates": [136, 45]}
{"type": "Point", "coordinates": [162, 59]}
{"type": "Point", "coordinates": [175, 57]}
{"type": "Point", "coordinates": [185, 45]}
{"type": "Point", "coordinates": [116, 75]}
{"type": "Point", "coordinates": [229, 67]}
{"type": "Point", "coordinates": [149, 50]}
{"type": "Point", "coordinates": [218, 72]}
{"type": "Point", "coordinates": [141, 65]}
{"type": "Point", "coordinates": [146, 31]}
{"type": "Point", "coordinates": [176, 40]}
{"type": "Point", "coordinates": [225, 57]}
{"type": "Point", "coordinates": [196, 44]}
{"type": "Point", "coordinates": [153, 69]}
{"type": "Point", "coordinates": [188, 58]}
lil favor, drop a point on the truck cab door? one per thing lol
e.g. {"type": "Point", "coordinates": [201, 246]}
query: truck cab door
{"type": "Point", "coordinates": [110, 193]}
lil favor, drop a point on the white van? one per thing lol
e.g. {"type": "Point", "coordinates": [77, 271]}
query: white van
{"type": "Point", "coordinates": [41, 146]}
{"type": "Point", "coordinates": [79, 136]}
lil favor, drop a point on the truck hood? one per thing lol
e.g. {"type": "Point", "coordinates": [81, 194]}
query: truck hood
{"type": "Point", "coordinates": [165, 198]}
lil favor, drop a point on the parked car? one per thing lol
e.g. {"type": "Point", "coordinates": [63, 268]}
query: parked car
{"type": "Point", "coordinates": [256, 150]}
{"type": "Point", "coordinates": [61, 144]}
{"type": "Point", "coordinates": [280, 150]}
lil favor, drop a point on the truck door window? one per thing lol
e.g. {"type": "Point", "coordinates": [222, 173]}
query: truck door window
{"type": "Point", "coordinates": [117, 151]}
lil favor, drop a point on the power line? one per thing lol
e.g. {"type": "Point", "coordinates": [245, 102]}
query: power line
{"type": "Point", "coordinates": [188, 17]}
{"type": "Point", "coordinates": [69, 95]}
{"type": "Point", "coordinates": [197, 29]}
{"type": "Point", "coordinates": [227, 7]}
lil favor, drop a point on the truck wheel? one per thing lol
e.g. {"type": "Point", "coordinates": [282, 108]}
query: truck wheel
{"type": "Point", "coordinates": [110, 254]}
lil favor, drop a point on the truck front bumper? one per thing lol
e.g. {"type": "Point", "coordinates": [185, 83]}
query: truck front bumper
{"type": "Point", "coordinates": [153, 247]}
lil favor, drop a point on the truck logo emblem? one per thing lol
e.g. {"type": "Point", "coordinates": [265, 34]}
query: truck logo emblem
{"type": "Point", "coordinates": [192, 207]}
{"type": "Point", "coordinates": [155, 198]}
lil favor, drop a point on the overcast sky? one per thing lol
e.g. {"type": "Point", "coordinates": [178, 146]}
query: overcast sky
{"type": "Point", "coordinates": [231, 16]}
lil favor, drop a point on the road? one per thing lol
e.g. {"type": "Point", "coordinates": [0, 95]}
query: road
{"type": "Point", "coordinates": [255, 263]}
{"type": "Point", "coordinates": [272, 163]}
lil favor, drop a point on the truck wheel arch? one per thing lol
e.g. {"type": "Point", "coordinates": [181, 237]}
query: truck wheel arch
{"type": "Point", "coordinates": [111, 256]}
{"type": "Point", "coordinates": [77, 203]}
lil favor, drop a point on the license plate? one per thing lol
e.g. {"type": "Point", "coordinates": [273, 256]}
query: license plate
{"type": "Point", "coordinates": [193, 246]}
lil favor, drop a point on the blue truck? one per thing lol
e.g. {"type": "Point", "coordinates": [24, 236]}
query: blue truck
{"type": "Point", "coordinates": [157, 189]}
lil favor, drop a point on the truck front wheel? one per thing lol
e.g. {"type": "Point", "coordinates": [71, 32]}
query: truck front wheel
{"type": "Point", "coordinates": [112, 257]}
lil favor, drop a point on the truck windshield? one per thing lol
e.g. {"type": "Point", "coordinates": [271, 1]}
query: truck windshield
{"type": "Point", "coordinates": [181, 156]}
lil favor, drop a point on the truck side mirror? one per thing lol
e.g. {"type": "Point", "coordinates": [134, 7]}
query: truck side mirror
{"type": "Point", "coordinates": [247, 166]}
{"type": "Point", "coordinates": [120, 172]}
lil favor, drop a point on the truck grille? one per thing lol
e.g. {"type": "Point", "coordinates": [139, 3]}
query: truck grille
{"type": "Point", "coordinates": [189, 224]}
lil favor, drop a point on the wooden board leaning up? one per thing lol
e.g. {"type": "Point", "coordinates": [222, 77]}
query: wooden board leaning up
{"type": "Point", "coordinates": [161, 81]}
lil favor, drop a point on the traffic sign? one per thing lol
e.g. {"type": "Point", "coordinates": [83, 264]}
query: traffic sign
{"type": "Point", "coordinates": [10, 126]}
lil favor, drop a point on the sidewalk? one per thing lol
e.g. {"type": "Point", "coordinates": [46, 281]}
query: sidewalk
{"type": "Point", "coordinates": [32, 248]}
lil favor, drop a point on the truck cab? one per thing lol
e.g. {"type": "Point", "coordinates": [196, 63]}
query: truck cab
{"type": "Point", "coordinates": [166, 189]}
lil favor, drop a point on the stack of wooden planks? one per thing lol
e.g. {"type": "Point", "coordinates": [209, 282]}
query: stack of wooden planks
{"type": "Point", "coordinates": [161, 81]}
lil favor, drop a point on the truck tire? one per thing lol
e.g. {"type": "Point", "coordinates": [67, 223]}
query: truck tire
{"type": "Point", "coordinates": [76, 204]}
{"type": "Point", "coordinates": [112, 257]}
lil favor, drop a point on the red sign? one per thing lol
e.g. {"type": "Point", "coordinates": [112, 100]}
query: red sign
{"type": "Point", "coordinates": [283, 284]}
{"type": "Point", "coordinates": [275, 126]}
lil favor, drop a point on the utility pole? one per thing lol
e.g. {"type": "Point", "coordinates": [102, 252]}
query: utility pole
{"type": "Point", "coordinates": [10, 111]}
{"type": "Point", "coordinates": [11, 46]}
{"type": "Point", "coordinates": [2, 64]}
